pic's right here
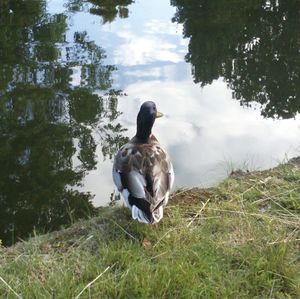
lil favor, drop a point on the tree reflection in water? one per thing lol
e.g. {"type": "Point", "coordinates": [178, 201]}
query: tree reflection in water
{"type": "Point", "coordinates": [253, 45]}
{"type": "Point", "coordinates": [54, 94]}
{"type": "Point", "coordinates": [108, 10]}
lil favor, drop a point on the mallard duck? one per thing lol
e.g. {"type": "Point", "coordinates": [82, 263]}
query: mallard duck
{"type": "Point", "coordinates": [142, 170]}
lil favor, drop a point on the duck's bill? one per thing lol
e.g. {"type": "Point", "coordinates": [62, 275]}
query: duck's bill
{"type": "Point", "coordinates": [159, 114]}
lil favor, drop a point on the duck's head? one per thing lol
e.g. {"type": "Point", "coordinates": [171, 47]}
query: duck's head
{"type": "Point", "coordinates": [145, 120]}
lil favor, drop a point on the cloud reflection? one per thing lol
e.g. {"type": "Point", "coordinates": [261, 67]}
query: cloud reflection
{"type": "Point", "coordinates": [206, 131]}
{"type": "Point", "coordinates": [136, 50]}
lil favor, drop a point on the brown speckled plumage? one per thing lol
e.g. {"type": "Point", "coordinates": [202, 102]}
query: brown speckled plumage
{"type": "Point", "coordinates": [144, 169]}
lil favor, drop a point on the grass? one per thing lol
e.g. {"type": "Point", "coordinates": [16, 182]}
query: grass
{"type": "Point", "coordinates": [240, 239]}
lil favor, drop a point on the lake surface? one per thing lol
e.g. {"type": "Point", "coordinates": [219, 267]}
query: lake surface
{"type": "Point", "coordinates": [74, 73]}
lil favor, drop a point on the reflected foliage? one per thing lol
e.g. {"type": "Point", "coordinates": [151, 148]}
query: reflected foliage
{"type": "Point", "coordinates": [108, 10]}
{"type": "Point", "coordinates": [54, 94]}
{"type": "Point", "coordinates": [253, 45]}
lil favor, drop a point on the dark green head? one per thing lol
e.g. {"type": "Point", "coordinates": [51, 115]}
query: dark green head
{"type": "Point", "coordinates": [145, 120]}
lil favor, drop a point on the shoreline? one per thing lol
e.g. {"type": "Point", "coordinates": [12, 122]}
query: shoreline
{"type": "Point", "coordinates": [240, 238]}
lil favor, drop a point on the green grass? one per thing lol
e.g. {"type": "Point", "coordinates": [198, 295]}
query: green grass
{"type": "Point", "coordinates": [240, 239]}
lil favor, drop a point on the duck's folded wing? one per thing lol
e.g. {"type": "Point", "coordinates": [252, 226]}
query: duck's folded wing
{"type": "Point", "coordinates": [160, 181]}
{"type": "Point", "coordinates": [135, 195]}
{"type": "Point", "coordinates": [134, 182]}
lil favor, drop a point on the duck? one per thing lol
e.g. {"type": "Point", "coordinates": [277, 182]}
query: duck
{"type": "Point", "coordinates": [142, 170]}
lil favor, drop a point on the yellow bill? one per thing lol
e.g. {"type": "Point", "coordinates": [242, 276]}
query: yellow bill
{"type": "Point", "coordinates": [159, 114]}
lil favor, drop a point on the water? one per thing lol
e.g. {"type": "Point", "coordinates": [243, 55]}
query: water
{"type": "Point", "coordinates": [74, 73]}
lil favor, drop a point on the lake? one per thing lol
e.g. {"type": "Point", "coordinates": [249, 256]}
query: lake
{"type": "Point", "coordinates": [74, 73]}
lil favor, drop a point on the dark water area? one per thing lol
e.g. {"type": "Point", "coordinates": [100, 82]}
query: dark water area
{"type": "Point", "coordinates": [73, 74]}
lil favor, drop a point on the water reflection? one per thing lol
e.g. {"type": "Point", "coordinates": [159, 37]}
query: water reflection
{"type": "Point", "coordinates": [206, 132]}
{"type": "Point", "coordinates": [54, 94]}
{"type": "Point", "coordinates": [253, 45]}
{"type": "Point", "coordinates": [108, 10]}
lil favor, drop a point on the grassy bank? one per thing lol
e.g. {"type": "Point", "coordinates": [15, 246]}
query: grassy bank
{"type": "Point", "coordinates": [240, 239]}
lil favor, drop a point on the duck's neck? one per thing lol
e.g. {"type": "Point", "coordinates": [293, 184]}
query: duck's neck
{"type": "Point", "coordinates": [143, 133]}
{"type": "Point", "coordinates": [144, 128]}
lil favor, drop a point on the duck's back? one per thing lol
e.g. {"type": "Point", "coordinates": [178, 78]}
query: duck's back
{"type": "Point", "coordinates": [145, 172]}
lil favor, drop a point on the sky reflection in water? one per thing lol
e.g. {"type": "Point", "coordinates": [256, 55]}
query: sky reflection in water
{"type": "Point", "coordinates": [205, 130]}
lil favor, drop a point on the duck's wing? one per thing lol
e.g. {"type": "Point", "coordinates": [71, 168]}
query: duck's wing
{"type": "Point", "coordinates": [126, 174]}
{"type": "Point", "coordinates": [144, 174]}
{"type": "Point", "coordinates": [159, 176]}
